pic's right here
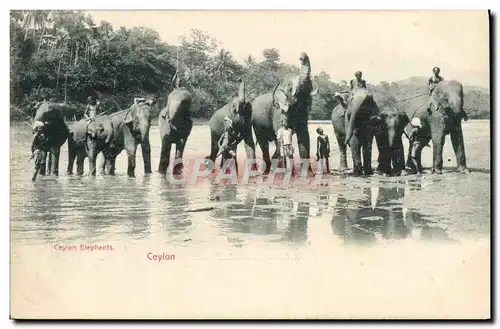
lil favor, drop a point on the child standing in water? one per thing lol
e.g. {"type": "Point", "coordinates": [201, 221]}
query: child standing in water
{"type": "Point", "coordinates": [416, 125]}
{"type": "Point", "coordinates": [323, 148]}
{"type": "Point", "coordinates": [285, 143]}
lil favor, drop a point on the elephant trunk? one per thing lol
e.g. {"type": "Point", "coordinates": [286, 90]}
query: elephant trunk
{"type": "Point", "coordinates": [241, 93]}
{"type": "Point", "coordinates": [144, 126]}
{"type": "Point", "coordinates": [456, 103]}
{"type": "Point", "coordinates": [392, 138]}
{"type": "Point", "coordinates": [353, 110]}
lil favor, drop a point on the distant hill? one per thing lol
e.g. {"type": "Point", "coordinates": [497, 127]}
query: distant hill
{"type": "Point", "coordinates": [476, 98]}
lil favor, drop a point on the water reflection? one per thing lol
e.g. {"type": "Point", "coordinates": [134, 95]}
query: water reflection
{"type": "Point", "coordinates": [256, 213]}
{"type": "Point", "coordinates": [38, 214]}
{"type": "Point", "coordinates": [172, 203]}
{"type": "Point", "coordinates": [380, 214]}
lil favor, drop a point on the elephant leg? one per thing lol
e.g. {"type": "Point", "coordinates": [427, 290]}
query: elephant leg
{"type": "Point", "coordinates": [43, 164]}
{"type": "Point", "coordinates": [397, 156]}
{"type": "Point", "coordinates": [179, 152]}
{"type": "Point", "coordinates": [264, 147]}
{"type": "Point", "coordinates": [146, 156]}
{"type": "Point", "coordinates": [438, 138]}
{"type": "Point", "coordinates": [234, 148]}
{"type": "Point", "coordinates": [250, 148]}
{"type": "Point", "coordinates": [367, 155]}
{"type": "Point", "coordinates": [214, 146]}
{"type": "Point", "coordinates": [342, 150]}
{"type": "Point", "coordinates": [384, 154]}
{"type": "Point", "coordinates": [104, 165]}
{"type": "Point", "coordinates": [55, 153]}
{"type": "Point", "coordinates": [303, 140]}
{"type": "Point", "coordinates": [112, 166]}
{"type": "Point", "coordinates": [131, 153]}
{"type": "Point", "coordinates": [79, 163]}
{"type": "Point", "coordinates": [419, 159]}
{"type": "Point", "coordinates": [356, 156]}
{"type": "Point", "coordinates": [164, 155]}
{"type": "Point", "coordinates": [92, 163]}
{"type": "Point", "coordinates": [49, 164]}
{"type": "Point", "coordinates": [457, 140]}
{"type": "Point", "coordinates": [71, 159]}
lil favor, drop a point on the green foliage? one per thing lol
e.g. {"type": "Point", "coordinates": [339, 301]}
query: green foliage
{"type": "Point", "coordinates": [65, 56]}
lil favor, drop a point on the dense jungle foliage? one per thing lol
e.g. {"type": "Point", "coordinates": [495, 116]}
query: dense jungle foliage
{"type": "Point", "coordinates": [64, 56]}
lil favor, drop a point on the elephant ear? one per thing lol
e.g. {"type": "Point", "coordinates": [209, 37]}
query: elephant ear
{"type": "Point", "coordinates": [108, 131]}
{"type": "Point", "coordinates": [405, 120]}
{"type": "Point", "coordinates": [129, 118]}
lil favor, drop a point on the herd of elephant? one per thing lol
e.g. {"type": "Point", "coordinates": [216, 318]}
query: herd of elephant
{"type": "Point", "coordinates": [356, 121]}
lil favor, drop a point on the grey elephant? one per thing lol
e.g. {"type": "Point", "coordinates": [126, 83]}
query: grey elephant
{"type": "Point", "coordinates": [50, 132]}
{"type": "Point", "coordinates": [356, 124]}
{"type": "Point", "coordinates": [175, 125]}
{"type": "Point", "coordinates": [88, 137]}
{"type": "Point", "coordinates": [443, 116]}
{"type": "Point", "coordinates": [237, 113]}
{"type": "Point", "coordinates": [387, 125]}
{"type": "Point", "coordinates": [290, 101]}
{"type": "Point", "coordinates": [266, 120]}
{"type": "Point", "coordinates": [129, 128]}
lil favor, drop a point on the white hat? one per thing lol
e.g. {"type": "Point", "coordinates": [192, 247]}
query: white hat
{"type": "Point", "coordinates": [416, 122]}
{"type": "Point", "coordinates": [38, 124]}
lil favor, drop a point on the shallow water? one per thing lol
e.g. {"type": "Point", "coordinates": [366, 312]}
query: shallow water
{"type": "Point", "coordinates": [450, 207]}
{"type": "Point", "coordinates": [399, 247]}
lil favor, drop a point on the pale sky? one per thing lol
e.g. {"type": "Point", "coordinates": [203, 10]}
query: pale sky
{"type": "Point", "coordinates": [384, 45]}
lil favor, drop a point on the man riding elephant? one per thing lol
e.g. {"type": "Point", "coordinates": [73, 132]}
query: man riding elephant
{"type": "Point", "coordinates": [92, 107]}
{"type": "Point", "coordinates": [443, 116]}
{"type": "Point", "coordinates": [130, 128]}
{"type": "Point", "coordinates": [432, 82]}
{"type": "Point", "coordinates": [358, 82]}
{"type": "Point", "coordinates": [354, 84]}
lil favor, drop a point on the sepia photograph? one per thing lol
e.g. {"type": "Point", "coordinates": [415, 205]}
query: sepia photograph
{"type": "Point", "coordinates": [250, 164]}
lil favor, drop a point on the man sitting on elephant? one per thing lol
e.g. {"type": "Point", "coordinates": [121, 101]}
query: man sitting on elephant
{"type": "Point", "coordinates": [358, 82]}
{"type": "Point", "coordinates": [432, 82]}
{"type": "Point", "coordinates": [434, 79]}
{"type": "Point", "coordinates": [92, 107]}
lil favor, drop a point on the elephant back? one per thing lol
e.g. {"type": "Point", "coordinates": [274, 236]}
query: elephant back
{"type": "Point", "coordinates": [47, 112]}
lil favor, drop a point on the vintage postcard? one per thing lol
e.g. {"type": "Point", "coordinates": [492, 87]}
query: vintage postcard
{"type": "Point", "coordinates": [250, 164]}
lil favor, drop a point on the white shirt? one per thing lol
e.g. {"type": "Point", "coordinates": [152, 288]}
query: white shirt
{"type": "Point", "coordinates": [285, 136]}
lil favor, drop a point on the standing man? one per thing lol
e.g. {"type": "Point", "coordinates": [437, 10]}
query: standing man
{"type": "Point", "coordinates": [414, 138]}
{"type": "Point", "coordinates": [285, 144]}
{"type": "Point", "coordinates": [323, 148]}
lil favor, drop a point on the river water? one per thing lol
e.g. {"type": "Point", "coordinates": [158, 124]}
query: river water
{"type": "Point", "coordinates": [250, 220]}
